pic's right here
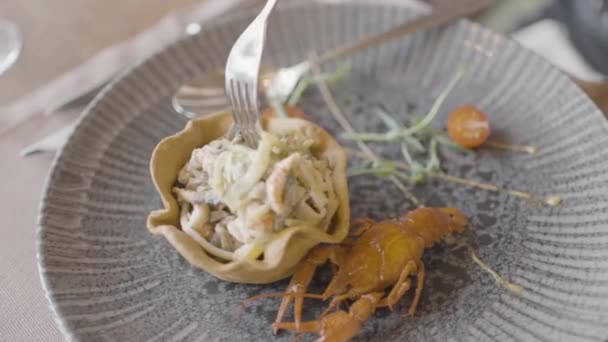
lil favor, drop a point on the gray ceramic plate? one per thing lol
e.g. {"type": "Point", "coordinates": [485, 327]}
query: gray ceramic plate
{"type": "Point", "coordinates": [108, 279]}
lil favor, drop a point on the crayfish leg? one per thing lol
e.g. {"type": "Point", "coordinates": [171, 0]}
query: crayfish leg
{"type": "Point", "coordinates": [298, 285]}
{"type": "Point", "coordinates": [339, 325]}
{"type": "Point", "coordinates": [403, 284]}
{"type": "Point", "coordinates": [419, 285]}
{"type": "Point", "coordinates": [303, 327]}
{"type": "Point", "coordinates": [362, 225]}
{"type": "Point", "coordinates": [337, 300]}
{"type": "Point", "coordinates": [301, 280]}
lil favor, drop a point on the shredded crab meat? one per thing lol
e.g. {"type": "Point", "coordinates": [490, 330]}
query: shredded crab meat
{"type": "Point", "coordinates": [234, 199]}
{"type": "Point", "coordinates": [277, 181]}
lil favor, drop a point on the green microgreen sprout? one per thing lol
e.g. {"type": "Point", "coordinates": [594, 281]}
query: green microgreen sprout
{"type": "Point", "coordinates": [395, 130]}
{"type": "Point", "coordinates": [444, 140]}
{"type": "Point", "coordinates": [418, 141]}
{"type": "Point", "coordinates": [279, 109]}
{"type": "Point", "coordinates": [308, 80]}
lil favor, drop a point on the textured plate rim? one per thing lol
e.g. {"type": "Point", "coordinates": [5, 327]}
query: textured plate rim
{"type": "Point", "coordinates": [87, 114]}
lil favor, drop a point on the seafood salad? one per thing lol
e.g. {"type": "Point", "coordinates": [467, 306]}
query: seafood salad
{"type": "Point", "coordinates": [234, 199]}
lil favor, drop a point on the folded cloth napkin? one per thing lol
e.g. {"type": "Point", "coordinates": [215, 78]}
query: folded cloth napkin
{"type": "Point", "coordinates": [95, 71]}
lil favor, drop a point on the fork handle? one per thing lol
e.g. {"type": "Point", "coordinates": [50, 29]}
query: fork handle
{"type": "Point", "coordinates": [443, 12]}
{"type": "Point", "coordinates": [268, 7]}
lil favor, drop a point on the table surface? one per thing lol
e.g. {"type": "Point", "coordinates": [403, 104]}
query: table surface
{"type": "Point", "coordinates": [58, 35]}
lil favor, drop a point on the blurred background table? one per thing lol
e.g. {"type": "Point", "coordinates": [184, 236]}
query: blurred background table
{"type": "Point", "coordinates": [59, 35]}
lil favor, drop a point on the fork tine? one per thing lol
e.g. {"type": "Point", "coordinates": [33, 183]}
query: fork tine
{"type": "Point", "coordinates": [252, 100]}
{"type": "Point", "coordinates": [232, 94]}
{"type": "Point", "coordinates": [245, 113]}
{"type": "Point", "coordinates": [250, 117]}
{"type": "Point", "coordinates": [255, 112]}
{"type": "Point", "coordinates": [242, 75]}
{"type": "Point", "coordinates": [242, 87]}
{"type": "Point", "coordinates": [236, 102]}
{"type": "Point", "coordinates": [251, 96]}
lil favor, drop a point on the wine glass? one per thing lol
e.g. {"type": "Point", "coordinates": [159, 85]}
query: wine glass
{"type": "Point", "coordinates": [10, 44]}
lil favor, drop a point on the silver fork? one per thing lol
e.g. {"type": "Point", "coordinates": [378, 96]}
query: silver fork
{"type": "Point", "coordinates": [242, 76]}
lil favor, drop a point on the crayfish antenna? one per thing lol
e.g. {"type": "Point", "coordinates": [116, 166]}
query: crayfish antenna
{"type": "Point", "coordinates": [297, 337]}
{"type": "Point", "coordinates": [252, 299]}
{"type": "Point", "coordinates": [245, 303]}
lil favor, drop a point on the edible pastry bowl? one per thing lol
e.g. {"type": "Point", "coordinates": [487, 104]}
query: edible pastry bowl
{"type": "Point", "coordinates": [289, 246]}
